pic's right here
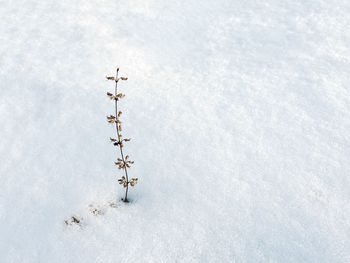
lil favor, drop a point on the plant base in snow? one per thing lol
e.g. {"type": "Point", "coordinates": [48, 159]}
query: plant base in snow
{"type": "Point", "coordinates": [125, 200]}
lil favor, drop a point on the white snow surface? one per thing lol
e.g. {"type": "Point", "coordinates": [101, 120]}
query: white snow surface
{"type": "Point", "coordinates": [239, 114]}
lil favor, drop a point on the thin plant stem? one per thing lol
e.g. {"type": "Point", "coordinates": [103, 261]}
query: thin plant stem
{"type": "Point", "coordinates": [120, 138]}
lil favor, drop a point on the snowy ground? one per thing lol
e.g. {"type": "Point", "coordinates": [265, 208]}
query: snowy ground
{"type": "Point", "coordinates": [239, 113]}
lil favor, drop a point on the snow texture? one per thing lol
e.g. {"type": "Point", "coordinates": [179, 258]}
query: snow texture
{"type": "Point", "coordinates": [239, 114]}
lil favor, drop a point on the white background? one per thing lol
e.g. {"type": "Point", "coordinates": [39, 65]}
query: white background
{"type": "Point", "coordinates": [239, 114]}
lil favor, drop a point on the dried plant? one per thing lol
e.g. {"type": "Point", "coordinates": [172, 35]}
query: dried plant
{"type": "Point", "coordinates": [122, 163]}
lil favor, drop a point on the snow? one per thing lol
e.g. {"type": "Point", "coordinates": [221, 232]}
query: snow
{"type": "Point", "coordinates": [239, 114]}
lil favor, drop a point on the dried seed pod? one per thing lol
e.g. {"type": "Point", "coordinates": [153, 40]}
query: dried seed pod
{"type": "Point", "coordinates": [111, 119]}
{"type": "Point", "coordinates": [120, 95]}
{"type": "Point", "coordinates": [120, 165]}
{"type": "Point", "coordinates": [111, 96]}
{"type": "Point", "coordinates": [121, 180]}
{"type": "Point", "coordinates": [110, 78]}
{"type": "Point", "coordinates": [123, 78]}
{"type": "Point", "coordinates": [133, 181]}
